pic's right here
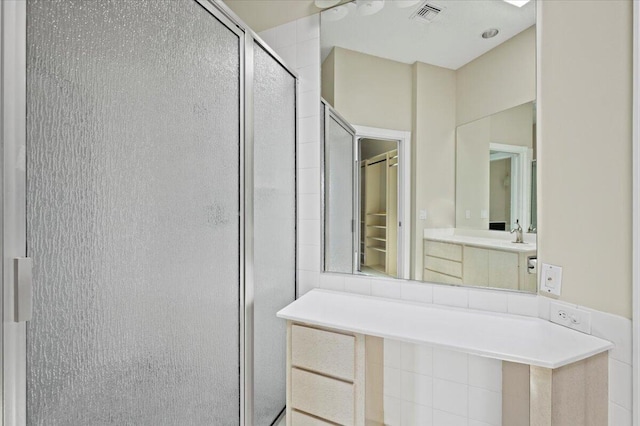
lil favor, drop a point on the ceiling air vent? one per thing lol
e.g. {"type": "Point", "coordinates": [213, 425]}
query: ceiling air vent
{"type": "Point", "coordinates": [427, 12]}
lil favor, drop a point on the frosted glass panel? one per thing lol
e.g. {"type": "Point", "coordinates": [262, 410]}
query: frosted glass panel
{"type": "Point", "coordinates": [338, 169]}
{"type": "Point", "coordinates": [133, 198]}
{"type": "Point", "coordinates": [274, 229]}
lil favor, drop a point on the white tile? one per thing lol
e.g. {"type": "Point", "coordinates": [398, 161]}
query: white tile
{"type": "Point", "coordinates": [309, 206]}
{"type": "Point", "coordinates": [286, 35]}
{"type": "Point", "coordinates": [522, 304]}
{"type": "Point", "coordinates": [392, 411]}
{"type": "Point", "coordinates": [422, 293]}
{"type": "Point", "coordinates": [307, 281]}
{"type": "Point", "coordinates": [309, 78]}
{"type": "Point", "coordinates": [450, 365]}
{"type": "Point", "coordinates": [309, 232]}
{"type": "Point", "coordinates": [485, 373]}
{"type": "Point", "coordinates": [450, 296]}
{"type": "Point", "coordinates": [308, 27]}
{"type": "Point", "coordinates": [619, 416]}
{"type": "Point", "coordinates": [385, 288]}
{"type": "Point", "coordinates": [488, 300]}
{"type": "Point", "coordinates": [289, 55]}
{"type": "Point", "coordinates": [309, 130]}
{"type": "Point", "coordinates": [332, 282]}
{"type": "Point", "coordinates": [620, 383]}
{"type": "Point", "coordinates": [416, 414]}
{"type": "Point", "coordinates": [357, 284]}
{"type": "Point", "coordinates": [615, 329]}
{"type": "Point", "coordinates": [450, 397]}
{"type": "Point", "coordinates": [309, 181]}
{"type": "Point", "coordinates": [392, 382]}
{"type": "Point", "coordinates": [270, 36]}
{"type": "Point", "coordinates": [308, 155]}
{"type": "Point", "coordinates": [309, 105]}
{"type": "Point", "coordinates": [485, 406]}
{"type": "Point", "coordinates": [417, 388]}
{"type": "Point", "coordinates": [440, 418]}
{"type": "Point", "coordinates": [309, 258]}
{"type": "Point", "coordinates": [417, 358]}
{"type": "Point", "coordinates": [308, 53]}
{"type": "Point", "coordinates": [543, 307]}
{"type": "Point", "coordinates": [393, 353]}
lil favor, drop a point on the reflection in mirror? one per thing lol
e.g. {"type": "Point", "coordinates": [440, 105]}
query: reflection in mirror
{"type": "Point", "coordinates": [378, 209]}
{"type": "Point", "coordinates": [468, 101]}
{"type": "Point", "coordinates": [339, 190]}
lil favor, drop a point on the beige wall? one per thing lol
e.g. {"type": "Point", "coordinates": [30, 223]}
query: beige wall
{"type": "Point", "coordinates": [472, 165]}
{"type": "Point", "coordinates": [327, 75]}
{"type": "Point", "coordinates": [433, 154]}
{"type": "Point", "coordinates": [372, 91]}
{"type": "Point", "coordinates": [501, 78]}
{"type": "Point", "coordinates": [585, 165]}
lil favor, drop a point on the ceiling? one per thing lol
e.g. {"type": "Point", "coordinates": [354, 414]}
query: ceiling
{"type": "Point", "coordinates": [261, 15]}
{"type": "Point", "coordinates": [453, 39]}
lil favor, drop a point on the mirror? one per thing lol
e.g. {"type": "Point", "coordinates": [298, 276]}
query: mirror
{"type": "Point", "coordinates": [441, 100]}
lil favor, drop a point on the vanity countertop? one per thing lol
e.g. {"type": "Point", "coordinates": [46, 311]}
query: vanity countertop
{"type": "Point", "coordinates": [507, 337]}
{"type": "Point", "coordinates": [498, 244]}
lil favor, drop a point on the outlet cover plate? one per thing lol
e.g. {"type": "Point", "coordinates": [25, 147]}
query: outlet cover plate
{"type": "Point", "coordinates": [570, 316]}
{"type": "Point", "coordinates": [551, 279]}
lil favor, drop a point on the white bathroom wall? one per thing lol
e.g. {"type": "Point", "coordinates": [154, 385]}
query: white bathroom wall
{"type": "Point", "coordinates": [298, 43]}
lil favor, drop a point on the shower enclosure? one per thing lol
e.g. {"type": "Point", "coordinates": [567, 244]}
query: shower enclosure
{"type": "Point", "coordinates": [148, 183]}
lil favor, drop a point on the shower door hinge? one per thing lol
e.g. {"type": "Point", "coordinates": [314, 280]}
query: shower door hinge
{"type": "Point", "coordinates": [22, 289]}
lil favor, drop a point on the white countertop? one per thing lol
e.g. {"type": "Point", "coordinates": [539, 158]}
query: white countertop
{"type": "Point", "coordinates": [498, 244]}
{"type": "Point", "coordinates": [506, 337]}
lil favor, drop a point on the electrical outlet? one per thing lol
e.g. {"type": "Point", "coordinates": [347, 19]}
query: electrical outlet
{"type": "Point", "coordinates": [467, 214]}
{"type": "Point", "coordinates": [423, 215]}
{"type": "Point", "coordinates": [551, 279]}
{"type": "Point", "coordinates": [571, 317]}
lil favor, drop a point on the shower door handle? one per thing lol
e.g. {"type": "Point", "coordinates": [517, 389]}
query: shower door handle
{"type": "Point", "coordinates": [22, 289]}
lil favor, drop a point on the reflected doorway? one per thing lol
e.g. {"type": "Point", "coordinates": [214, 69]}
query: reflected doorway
{"type": "Point", "coordinates": [378, 185]}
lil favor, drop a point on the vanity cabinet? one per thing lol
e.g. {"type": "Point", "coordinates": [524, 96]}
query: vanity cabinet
{"type": "Point", "coordinates": [551, 375]}
{"type": "Point", "coordinates": [325, 376]}
{"type": "Point", "coordinates": [466, 264]}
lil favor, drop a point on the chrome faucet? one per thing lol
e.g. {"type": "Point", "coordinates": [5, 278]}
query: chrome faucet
{"type": "Point", "coordinates": [518, 231]}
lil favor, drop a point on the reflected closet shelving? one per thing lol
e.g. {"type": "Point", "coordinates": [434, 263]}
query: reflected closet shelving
{"type": "Point", "coordinates": [379, 217]}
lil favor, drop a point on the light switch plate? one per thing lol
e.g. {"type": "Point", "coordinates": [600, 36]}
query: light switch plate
{"type": "Point", "coordinates": [484, 214]}
{"type": "Point", "coordinates": [551, 279]}
{"type": "Point", "coordinates": [571, 317]}
{"type": "Point", "coordinates": [467, 214]}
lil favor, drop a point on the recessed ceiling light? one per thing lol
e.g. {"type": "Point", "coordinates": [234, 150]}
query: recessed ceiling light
{"type": "Point", "coordinates": [518, 3]}
{"type": "Point", "coordinates": [323, 4]}
{"type": "Point", "coordinates": [490, 33]}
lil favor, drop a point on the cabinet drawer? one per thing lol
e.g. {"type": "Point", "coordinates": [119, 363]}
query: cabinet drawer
{"type": "Point", "coordinates": [332, 354]}
{"type": "Point", "coordinates": [321, 396]}
{"type": "Point", "coordinates": [443, 250]}
{"type": "Point", "coordinates": [443, 266]}
{"type": "Point", "coordinates": [301, 419]}
{"type": "Point", "coordinates": [437, 277]}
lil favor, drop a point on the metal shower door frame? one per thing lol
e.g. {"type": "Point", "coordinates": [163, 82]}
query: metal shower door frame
{"type": "Point", "coordinates": [13, 228]}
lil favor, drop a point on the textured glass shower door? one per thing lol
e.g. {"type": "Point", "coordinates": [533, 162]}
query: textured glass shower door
{"type": "Point", "coordinates": [133, 201]}
{"type": "Point", "coordinates": [339, 196]}
{"type": "Point", "coordinates": [274, 233]}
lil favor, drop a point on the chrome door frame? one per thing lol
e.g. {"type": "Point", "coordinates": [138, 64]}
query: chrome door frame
{"type": "Point", "coordinates": [330, 113]}
{"type": "Point", "coordinates": [13, 19]}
